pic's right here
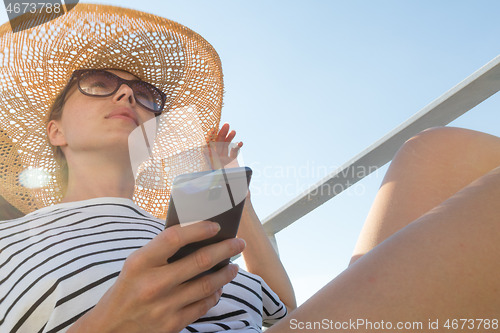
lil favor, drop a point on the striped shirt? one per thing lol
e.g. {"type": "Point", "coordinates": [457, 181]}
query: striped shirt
{"type": "Point", "coordinates": [57, 262]}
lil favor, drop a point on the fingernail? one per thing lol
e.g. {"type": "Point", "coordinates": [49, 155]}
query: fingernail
{"type": "Point", "coordinates": [218, 294]}
{"type": "Point", "coordinates": [242, 244]}
{"type": "Point", "coordinates": [215, 227]}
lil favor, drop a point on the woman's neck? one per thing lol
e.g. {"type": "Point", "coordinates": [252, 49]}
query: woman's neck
{"type": "Point", "coordinates": [98, 176]}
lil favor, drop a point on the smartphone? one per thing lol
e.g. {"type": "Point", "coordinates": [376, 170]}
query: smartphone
{"type": "Point", "coordinates": [217, 196]}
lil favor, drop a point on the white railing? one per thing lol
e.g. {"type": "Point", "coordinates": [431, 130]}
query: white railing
{"type": "Point", "coordinates": [476, 88]}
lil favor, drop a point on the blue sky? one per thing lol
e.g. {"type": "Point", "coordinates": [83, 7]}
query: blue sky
{"type": "Point", "coordinates": [309, 84]}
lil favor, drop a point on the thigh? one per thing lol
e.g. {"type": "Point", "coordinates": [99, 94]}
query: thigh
{"type": "Point", "coordinates": [442, 266]}
{"type": "Point", "coordinates": [428, 169]}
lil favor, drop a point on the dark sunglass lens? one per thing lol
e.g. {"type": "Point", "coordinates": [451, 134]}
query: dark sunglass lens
{"type": "Point", "coordinates": [97, 83]}
{"type": "Point", "coordinates": [148, 96]}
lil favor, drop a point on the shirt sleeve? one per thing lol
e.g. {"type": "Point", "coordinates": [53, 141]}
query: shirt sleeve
{"type": "Point", "coordinates": [273, 308]}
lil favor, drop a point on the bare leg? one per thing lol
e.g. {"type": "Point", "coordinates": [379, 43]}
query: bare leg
{"type": "Point", "coordinates": [427, 170]}
{"type": "Point", "coordinates": [442, 266]}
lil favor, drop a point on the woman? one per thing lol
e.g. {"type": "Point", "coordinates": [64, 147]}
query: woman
{"type": "Point", "coordinates": [427, 253]}
{"type": "Point", "coordinates": [95, 261]}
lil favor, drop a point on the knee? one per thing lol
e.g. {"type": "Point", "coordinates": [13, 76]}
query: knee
{"type": "Point", "coordinates": [442, 137]}
{"type": "Point", "coordinates": [451, 145]}
{"type": "Point", "coordinates": [435, 142]}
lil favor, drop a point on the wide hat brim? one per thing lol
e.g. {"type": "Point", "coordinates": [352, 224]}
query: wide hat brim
{"type": "Point", "coordinates": [36, 63]}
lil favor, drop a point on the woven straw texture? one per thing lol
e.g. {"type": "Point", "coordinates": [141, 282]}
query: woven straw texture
{"type": "Point", "coordinates": [36, 63]}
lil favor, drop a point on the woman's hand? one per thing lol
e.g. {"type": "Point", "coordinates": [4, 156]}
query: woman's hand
{"type": "Point", "coordinates": [151, 295]}
{"type": "Point", "coordinates": [221, 153]}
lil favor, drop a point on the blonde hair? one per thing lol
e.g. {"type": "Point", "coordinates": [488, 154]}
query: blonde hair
{"type": "Point", "coordinates": [55, 113]}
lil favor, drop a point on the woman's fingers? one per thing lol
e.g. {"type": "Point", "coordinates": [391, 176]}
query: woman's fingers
{"type": "Point", "coordinates": [234, 151]}
{"type": "Point", "coordinates": [200, 307]}
{"type": "Point", "coordinates": [221, 136]}
{"type": "Point", "coordinates": [223, 155]}
{"type": "Point", "coordinates": [204, 259]}
{"type": "Point", "coordinates": [223, 144]}
{"type": "Point", "coordinates": [191, 313]}
{"type": "Point", "coordinates": [230, 136]}
{"type": "Point", "coordinates": [205, 287]}
{"type": "Point", "coordinates": [165, 244]}
{"type": "Point", "coordinates": [224, 135]}
{"type": "Point", "coordinates": [193, 299]}
{"type": "Point", "coordinates": [223, 141]}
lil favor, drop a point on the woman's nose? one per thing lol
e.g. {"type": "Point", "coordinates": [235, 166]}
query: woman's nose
{"type": "Point", "coordinates": [125, 92]}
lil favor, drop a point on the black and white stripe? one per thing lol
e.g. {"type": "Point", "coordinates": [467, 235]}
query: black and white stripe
{"type": "Point", "coordinates": [57, 262]}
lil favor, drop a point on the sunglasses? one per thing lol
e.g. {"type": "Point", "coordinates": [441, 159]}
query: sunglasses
{"type": "Point", "coordinates": [100, 83]}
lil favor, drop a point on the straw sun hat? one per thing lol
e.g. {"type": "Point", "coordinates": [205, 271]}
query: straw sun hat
{"type": "Point", "coordinates": [36, 63]}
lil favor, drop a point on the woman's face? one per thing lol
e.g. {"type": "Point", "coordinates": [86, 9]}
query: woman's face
{"type": "Point", "coordinates": [90, 123]}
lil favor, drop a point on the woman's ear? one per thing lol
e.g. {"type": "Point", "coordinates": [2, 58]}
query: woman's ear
{"type": "Point", "coordinates": [55, 133]}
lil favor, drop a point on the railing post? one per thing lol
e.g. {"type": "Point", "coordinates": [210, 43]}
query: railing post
{"type": "Point", "coordinates": [274, 243]}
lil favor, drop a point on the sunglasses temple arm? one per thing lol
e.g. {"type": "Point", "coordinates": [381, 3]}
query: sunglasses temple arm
{"type": "Point", "coordinates": [144, 134]}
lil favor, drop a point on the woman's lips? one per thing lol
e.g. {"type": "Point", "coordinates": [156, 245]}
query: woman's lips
{"type": "Point", "coordinates": [124, 113]}
{"type": "Point", "coordinates": [122, 116]}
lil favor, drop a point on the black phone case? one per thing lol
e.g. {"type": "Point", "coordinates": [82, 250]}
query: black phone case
{"type": "Point", "coordinates": [228, 220]}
